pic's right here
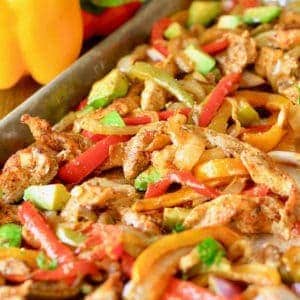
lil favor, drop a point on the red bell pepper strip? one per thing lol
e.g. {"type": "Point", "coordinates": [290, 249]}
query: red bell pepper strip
{"type": "Point", "coordinates": [80, 167]}
{"type": "Point", "coordinates": [257, 128]}
{"type": "Point", "coordinates": [183, 178]}
{"type": "Point", "coordinates": [249, 3]}
{"type": "Point", "coordinates": [257, 191]}
{"type": "Point", "coordinates": [186, 290]}
{"type": "Point", "coordinates": [215, 47]}
{"type": "Point", "coordinates": [69, 270]}
{"type": "Point", "coordinates": [109, 20]}
{"type": "Point", "coordinates": [216, 98]}
{"type": "Point", "coordinates": [92, 136]}
{"type": "Point", "coordinates": [82, 104]}
{"type": "Point", "coordinates": [127, 262]}
{"type": "Point", "coordinates": [157, 35]}
{"type": "Point", "coordinates": [40, 230]}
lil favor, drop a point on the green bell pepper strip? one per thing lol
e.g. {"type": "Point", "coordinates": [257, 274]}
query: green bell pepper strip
{"type": "Point", "coordinates": [145, 71]}
{"type": "Point", "coordinates": [261, 14]}
{"type": "Point", "coordinates": [10, 235]}
{"type": "Point", "coordinates": [149, 176]}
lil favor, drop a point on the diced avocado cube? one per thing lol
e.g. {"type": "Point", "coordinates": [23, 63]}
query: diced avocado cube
{"type": "Point", "coordinates": [246, 114]}
{"type": "Point", "coordinates": [48, 197]}
{"type": "Point", "coordinates": [229, 22]}
{"type": "Point", "coordinates": [113, 119]}
{"type": "Point", "coordinates": [113, 85]}
{"type": "Point", "coordinates": [173, 31]}
{"type": "Point", "coordinates": [172, 217]}
{"type": "Point", "coordinates": [150, 175]}
{"type": "Point", "coordinates": [203, 62]}
{"type": "Point", "coordinates": [69, 237]}
{"type": "Point", "coordinates": [10, 235]}
{"type": "Point", "coordinates": [261, 14]}
{"type": "Point", "coordinates": [203, 12]}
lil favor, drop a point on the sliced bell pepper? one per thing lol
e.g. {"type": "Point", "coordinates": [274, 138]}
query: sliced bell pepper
{"type": "Point", "coordinates": [219, 168]}
{"type": "Point", "coordinates": [108, 20]}
{"type": "Point", "coordinates": [249, 3]}
{"type": "Point", "coordinates": [92, 136]}
{"type": "Point", "coordinates": [183, 178]}
{"type": "Point", "coordinates": [127, 262]}
{"type": "Point", "coordinates": [37, 226]}
{"type": "Point", "coordinates": [179, 289]}
{"type": "Point", "coordinates": [88, 161]}
{"type": "Point", "coordinates": [151, 175]}
{"type": "Point", "coordinates": [157, 35]}
{"type": "Point", "coordinates": [215, 46]}
{"type": "Point", "coordinates": [257, 191]}
{"type": "Point", "coordinates": [172, 242]}
{"type": "Point", "coordinates": [68, 270]}
{"type": "Point", "coordinates": [25, 255]}
{"type": "Point", "coordinates": [112, 118]}
{"type": "Point", "coordinates": [177, 198]}
{"type": "Point", "coordinates": [266, 140]}
{"type": "Point", "coordinates": [82, 104]}
{"type": "Point", "coordinates": [216, 98]}
{"type": "Point", "coordinates": [144, 71]}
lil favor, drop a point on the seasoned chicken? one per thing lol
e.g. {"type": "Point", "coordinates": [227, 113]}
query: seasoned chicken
{"type": "Point", "coordinates": [153, 96]}
{"type": "Point", "coordinates": [260, 167]}
{"type": "Point", "coordinates": [137, 154]}
{"type": "Point", "coordinates": [18, 292]}
{"type": "Point", "coordinates": [68, 145]}
{"type": "Point", "coordinates": [239, 54]}
{"type": "Point", "coordinates": [36, 164]}
{"type": "Point", "coordinates": [12, 266]}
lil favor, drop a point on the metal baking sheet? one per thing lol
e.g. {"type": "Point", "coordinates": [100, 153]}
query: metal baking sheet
{"type": "Point", "coordinates": [54, 100]}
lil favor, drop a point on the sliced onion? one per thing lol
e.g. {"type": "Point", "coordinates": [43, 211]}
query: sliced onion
{"type": "Point", "coordinates": [155, 55]}
{"type": "Point", "coordinates": [223, 287]}
{"type": "Point", "coordinates": [286, 157]}
{"type": "Point", "coordinates": [250, 79]}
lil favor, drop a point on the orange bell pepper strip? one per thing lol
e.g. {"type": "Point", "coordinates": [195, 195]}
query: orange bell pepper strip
{"type": "Point", "coordinates": [219, 168]}
{"type": "Point", "coordinates": [166, 200]}
{"type": "Point", "coordinates": [172, 242]}
{"type": "Point", "coordinates": [40, 38]}
{"type": "Point", "coordinates": [266, 140]}
{"type": "Point", "coordinates": [180, 289]}
{"type": "Point", "coordinates": [216, 98]}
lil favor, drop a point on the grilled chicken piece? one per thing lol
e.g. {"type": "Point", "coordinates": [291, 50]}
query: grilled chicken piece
{"type": "Point", "coordinates": [110, 290]}
{"type": "Point", "coordinates": [240, 53]}
{"type": "Point", "coordinates": [36, 164]}
{"type": "Point", "coordinates": [248, 214]}
{"type": "Point", "coordinates": [12, 266]}
{"type": "Point", "coordinates": [8, 214]}
{"type": "Point", "coordinates": [259, 165]}
{"type": "Point", "coordinates": [153, 96]}
{"type": "Point", "coordinates": [68, 145]}
{"type": "Point", "coordinates": [15, 292]}
{"type": "Point", "coordinates": [115, 158]}
{"type": "Point", "coordinates": [139, 148]}
{"type": "Point", "coordinates": [138, 220]}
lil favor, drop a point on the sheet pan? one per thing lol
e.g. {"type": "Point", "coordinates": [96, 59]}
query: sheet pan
{"type": "Point", "coordinates": [54, 100]}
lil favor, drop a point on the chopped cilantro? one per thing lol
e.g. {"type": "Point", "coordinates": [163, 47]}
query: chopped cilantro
{"type": "Point", "coordinates": [210, 251]}
{"type": "Point", "coordinates": [44, 263]}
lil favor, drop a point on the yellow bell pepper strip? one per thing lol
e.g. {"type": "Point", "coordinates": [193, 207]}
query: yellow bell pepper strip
{"type": "Point", "coordinates": [265, 141]}
{"type": "Point", "coordinates": [41, 38]}
{"type": "Point", "coordinates": [219, 168]}
{"type": "Point", "coordinates": [25, 255]}
{"type": "Point", "coordinates": [167, 200]}
{"type": "Point", "coordinates": [173, 242]}
{"type": "Point", "coordinates": [144, 71]}
{"type": "Point", "coordinates": [216, 98]}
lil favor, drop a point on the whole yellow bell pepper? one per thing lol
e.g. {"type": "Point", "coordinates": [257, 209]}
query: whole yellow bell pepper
{"type": "Point", "coordinates": [37, 37]}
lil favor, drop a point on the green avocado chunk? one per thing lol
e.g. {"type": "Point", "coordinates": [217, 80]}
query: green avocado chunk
{"type": "Point", "coordinates": [203, 62]}
{"type": "Point", "coordinates": [48, 197]}
{"type": "Point", "coordinates": [173, 31]}
{"type": "Point", "coordinates": [113, 118]}
{"type": "Point", "coordinates": [150, 175]}
{"type": "Point", "coordinates": [229, 22]}
{"type": "Point", "coordinates": [261, 14]}
{"type": "Point", "coordinates": [203, 12]}
{"type": "Point", "coordinates": [113, 85]}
